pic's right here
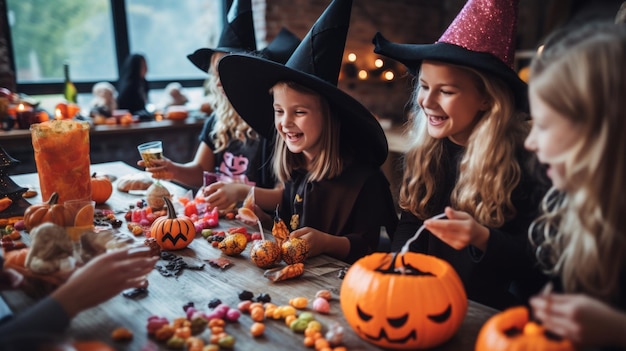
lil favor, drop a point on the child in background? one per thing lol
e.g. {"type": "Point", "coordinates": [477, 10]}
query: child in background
{"type": "Point", "coordinates": [174, 95]}
{"type": "Point", "coordinates": [328, 147]}
{"type": "Point", "coordinates": [467, 159]}
{"type": "Point", "coordinates": [103, 103]}
{"type": "Point", "coordinates": [228, 145]}
{"type": "Point", "coordinates": [133, 88]}
{"type": "Point", "coordinates": [576, 96]}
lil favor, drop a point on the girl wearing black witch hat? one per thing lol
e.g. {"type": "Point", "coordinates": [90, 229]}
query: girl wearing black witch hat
{"type": "Point", "coordinates": [328, 147]}
{"type": "Point", "coordinates": [228, 145]}
{"type": "Point", "coordinates": [467, 158]}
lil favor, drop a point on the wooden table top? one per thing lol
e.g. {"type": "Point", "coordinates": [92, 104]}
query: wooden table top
{"type": "Point", "coordinates": [167, 295]}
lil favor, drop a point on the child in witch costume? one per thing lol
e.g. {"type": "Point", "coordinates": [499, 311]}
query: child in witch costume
{"type": "Point", "coordinates": [328, 147]}
{"type": "Point", "coordinates": [576, 99]}
{"type": "Point", "coordinates": [467, 159]}
{"type": "Point", "coordinates": [228, 145]}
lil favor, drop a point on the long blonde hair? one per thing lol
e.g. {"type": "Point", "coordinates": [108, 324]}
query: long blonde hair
{"type": "Point", "coordinates": [329, 163]}
{"type": "Point", "coordinates": [228, 123]}
{"type": "Point", "coordinates": [489, 169]}
{"type": "Point", "coordinates": [582, 233]}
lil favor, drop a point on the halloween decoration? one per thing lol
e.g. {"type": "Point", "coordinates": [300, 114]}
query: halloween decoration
{"type": "Point", "coordinates": [233, 244]}
{"type": "Point", "coordinates": [48, 211]}
{"type": "Point", "coordinates": [264, 253]}
{"type": "Point", "coordinates": [279, 229]}
{"type": "Point", "coordinates": [294, 250]}
{"type": "Point", "coordinates": [375, 289]}
{"type": "Point", "coordinates": [51, 250]}
{"type": "Point", "coordinates": [511, 330]}
{"type": "Point", "coordinates": [171, 232]}
{"type": "Point", "coordinates": [284, 273]}
{"type": "Point", "coordinates": [101, 188]}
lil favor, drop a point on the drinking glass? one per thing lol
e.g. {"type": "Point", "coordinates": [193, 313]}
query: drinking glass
{"type": "Point", "coordinates": [150, 151]}
{"type": "Point", "coordinates": [62, 158]}
{"type": "Point", "coordinates": [81, 212]}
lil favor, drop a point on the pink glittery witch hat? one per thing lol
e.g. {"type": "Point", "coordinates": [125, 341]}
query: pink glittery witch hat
{"type": "Point", "coordinates": [482, 36]}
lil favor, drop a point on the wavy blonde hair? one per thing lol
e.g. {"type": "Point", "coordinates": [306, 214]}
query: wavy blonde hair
{"type": "Point", "coordinates": [228, 123]}
{"type": "Point", "coordinates": [489, 169]}
{"type": "Point", "coordinates": [581, 234]}
{"type": "Point", "coordinates": [329, 163]}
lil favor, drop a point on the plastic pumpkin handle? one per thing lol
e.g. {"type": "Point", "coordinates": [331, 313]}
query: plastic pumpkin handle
{"type": "Point", "coordinates": [405, 248]}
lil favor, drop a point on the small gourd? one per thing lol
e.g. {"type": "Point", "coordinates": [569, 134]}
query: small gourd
{"type": "Point", "coordinates": [264, 253]}
{"type": "Point", "coordinates": [172, 232]}
{"type": "Point", "coordinates": [233, 244]}
{"type": "Point", "coordinates": [101, 188]}
{"type": "Point", "coordinates": [48, 211]}
{"type": "Point", "coordinates": [294, 250]}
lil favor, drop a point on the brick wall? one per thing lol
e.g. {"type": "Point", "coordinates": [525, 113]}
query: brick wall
{"type": "Point", "coordinates": [405, 21]}
{"type": "Point", "coordinates": [400, 20]}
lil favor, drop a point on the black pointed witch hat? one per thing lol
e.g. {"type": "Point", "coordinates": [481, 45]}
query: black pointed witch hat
{"type": "Point", "coordinates": [315, 64]}
{"type": "Point", "coordinates": [237, 35]}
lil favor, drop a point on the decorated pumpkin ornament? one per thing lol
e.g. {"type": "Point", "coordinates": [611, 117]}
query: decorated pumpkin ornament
{"type": "Point", "coordinates": [172, 232]}
{"type": "Point", "coordinates": [511, 330]}
{"type": "Point", "coordinates": [377, 287]}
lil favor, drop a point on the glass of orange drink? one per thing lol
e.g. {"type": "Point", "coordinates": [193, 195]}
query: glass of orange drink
{"type": "Point", "coordinates": [62, 158]}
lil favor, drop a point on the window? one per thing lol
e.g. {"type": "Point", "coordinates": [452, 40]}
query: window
{"type": "Point", "coordinates": [166, 31]}
{"type": "Point", "coordinates": [95, 36]}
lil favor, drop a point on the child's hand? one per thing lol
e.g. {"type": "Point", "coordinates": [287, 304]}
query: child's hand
{"type": "Point", "coordinates": [580, 318]}
{"type": "Point", "coordinates": [459, 230]}
{"type": "Point", "coordinates": [160, 168]}
{"type": "Point", "coordinates": [315, 238]}
{"type": "Point", "coordinates": [224, 195]}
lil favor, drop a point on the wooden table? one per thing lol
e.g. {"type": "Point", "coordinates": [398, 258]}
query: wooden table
{"type": "Point", "coordinates": [167, 295]}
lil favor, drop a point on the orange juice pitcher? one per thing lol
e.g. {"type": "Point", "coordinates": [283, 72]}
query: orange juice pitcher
{"type": "Point", "coordinates": [62, 159]}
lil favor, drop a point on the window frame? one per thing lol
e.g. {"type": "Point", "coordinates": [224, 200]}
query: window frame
{"type": "Point", "coordinates": [122, 50]}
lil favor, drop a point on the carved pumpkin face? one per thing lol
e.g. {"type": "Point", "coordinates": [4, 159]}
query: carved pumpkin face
{"type": "Point", "coordinates": [171, 232]}
{"type": "Point", "coordinates": [511, 330]}
{"type": "Point", "coordinates": [403, 301]}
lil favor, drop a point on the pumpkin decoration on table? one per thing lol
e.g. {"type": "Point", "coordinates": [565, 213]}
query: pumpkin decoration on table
{"type": "Point", "coordinates": [172, 232]}
{"type": "Point", "coordinates": [403, 300]}
{"type": "Point", "coordinates": [233, 244]}
{"type": "Point", "coordinates": [294, 250]}
{"type": "Point", "coordinates": [264, 253]}
{"type": "Point", "coordinates": [49, 211]}
{"type": "Point", "coordinates": [101, 188]}
{"type": "Point", "coordinates": [511, 330]}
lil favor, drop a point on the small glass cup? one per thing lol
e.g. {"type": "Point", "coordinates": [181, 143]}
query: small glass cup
{"type": "Point", "coordinates": [82, 213]}
{"type": "Point", "coordinates": [150, 151]}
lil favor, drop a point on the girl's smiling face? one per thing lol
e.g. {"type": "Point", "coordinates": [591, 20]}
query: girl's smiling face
{"type": "Point", "coordinates": [450, 100]}
{"type": "Point", "coordinates": [298, 120]}
{"type": "Point", "coordinates": [552, 137]}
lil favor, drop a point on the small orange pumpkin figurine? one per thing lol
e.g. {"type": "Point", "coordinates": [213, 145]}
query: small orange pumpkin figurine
{"type": "Point", "coordinates": [101, 189]}
{"type": "Point", "coordinates": [511, 330]}
{"type": "Point", "coordinates": [171, 232]}
{"type": "Point", "coordinates": [375, 291]}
